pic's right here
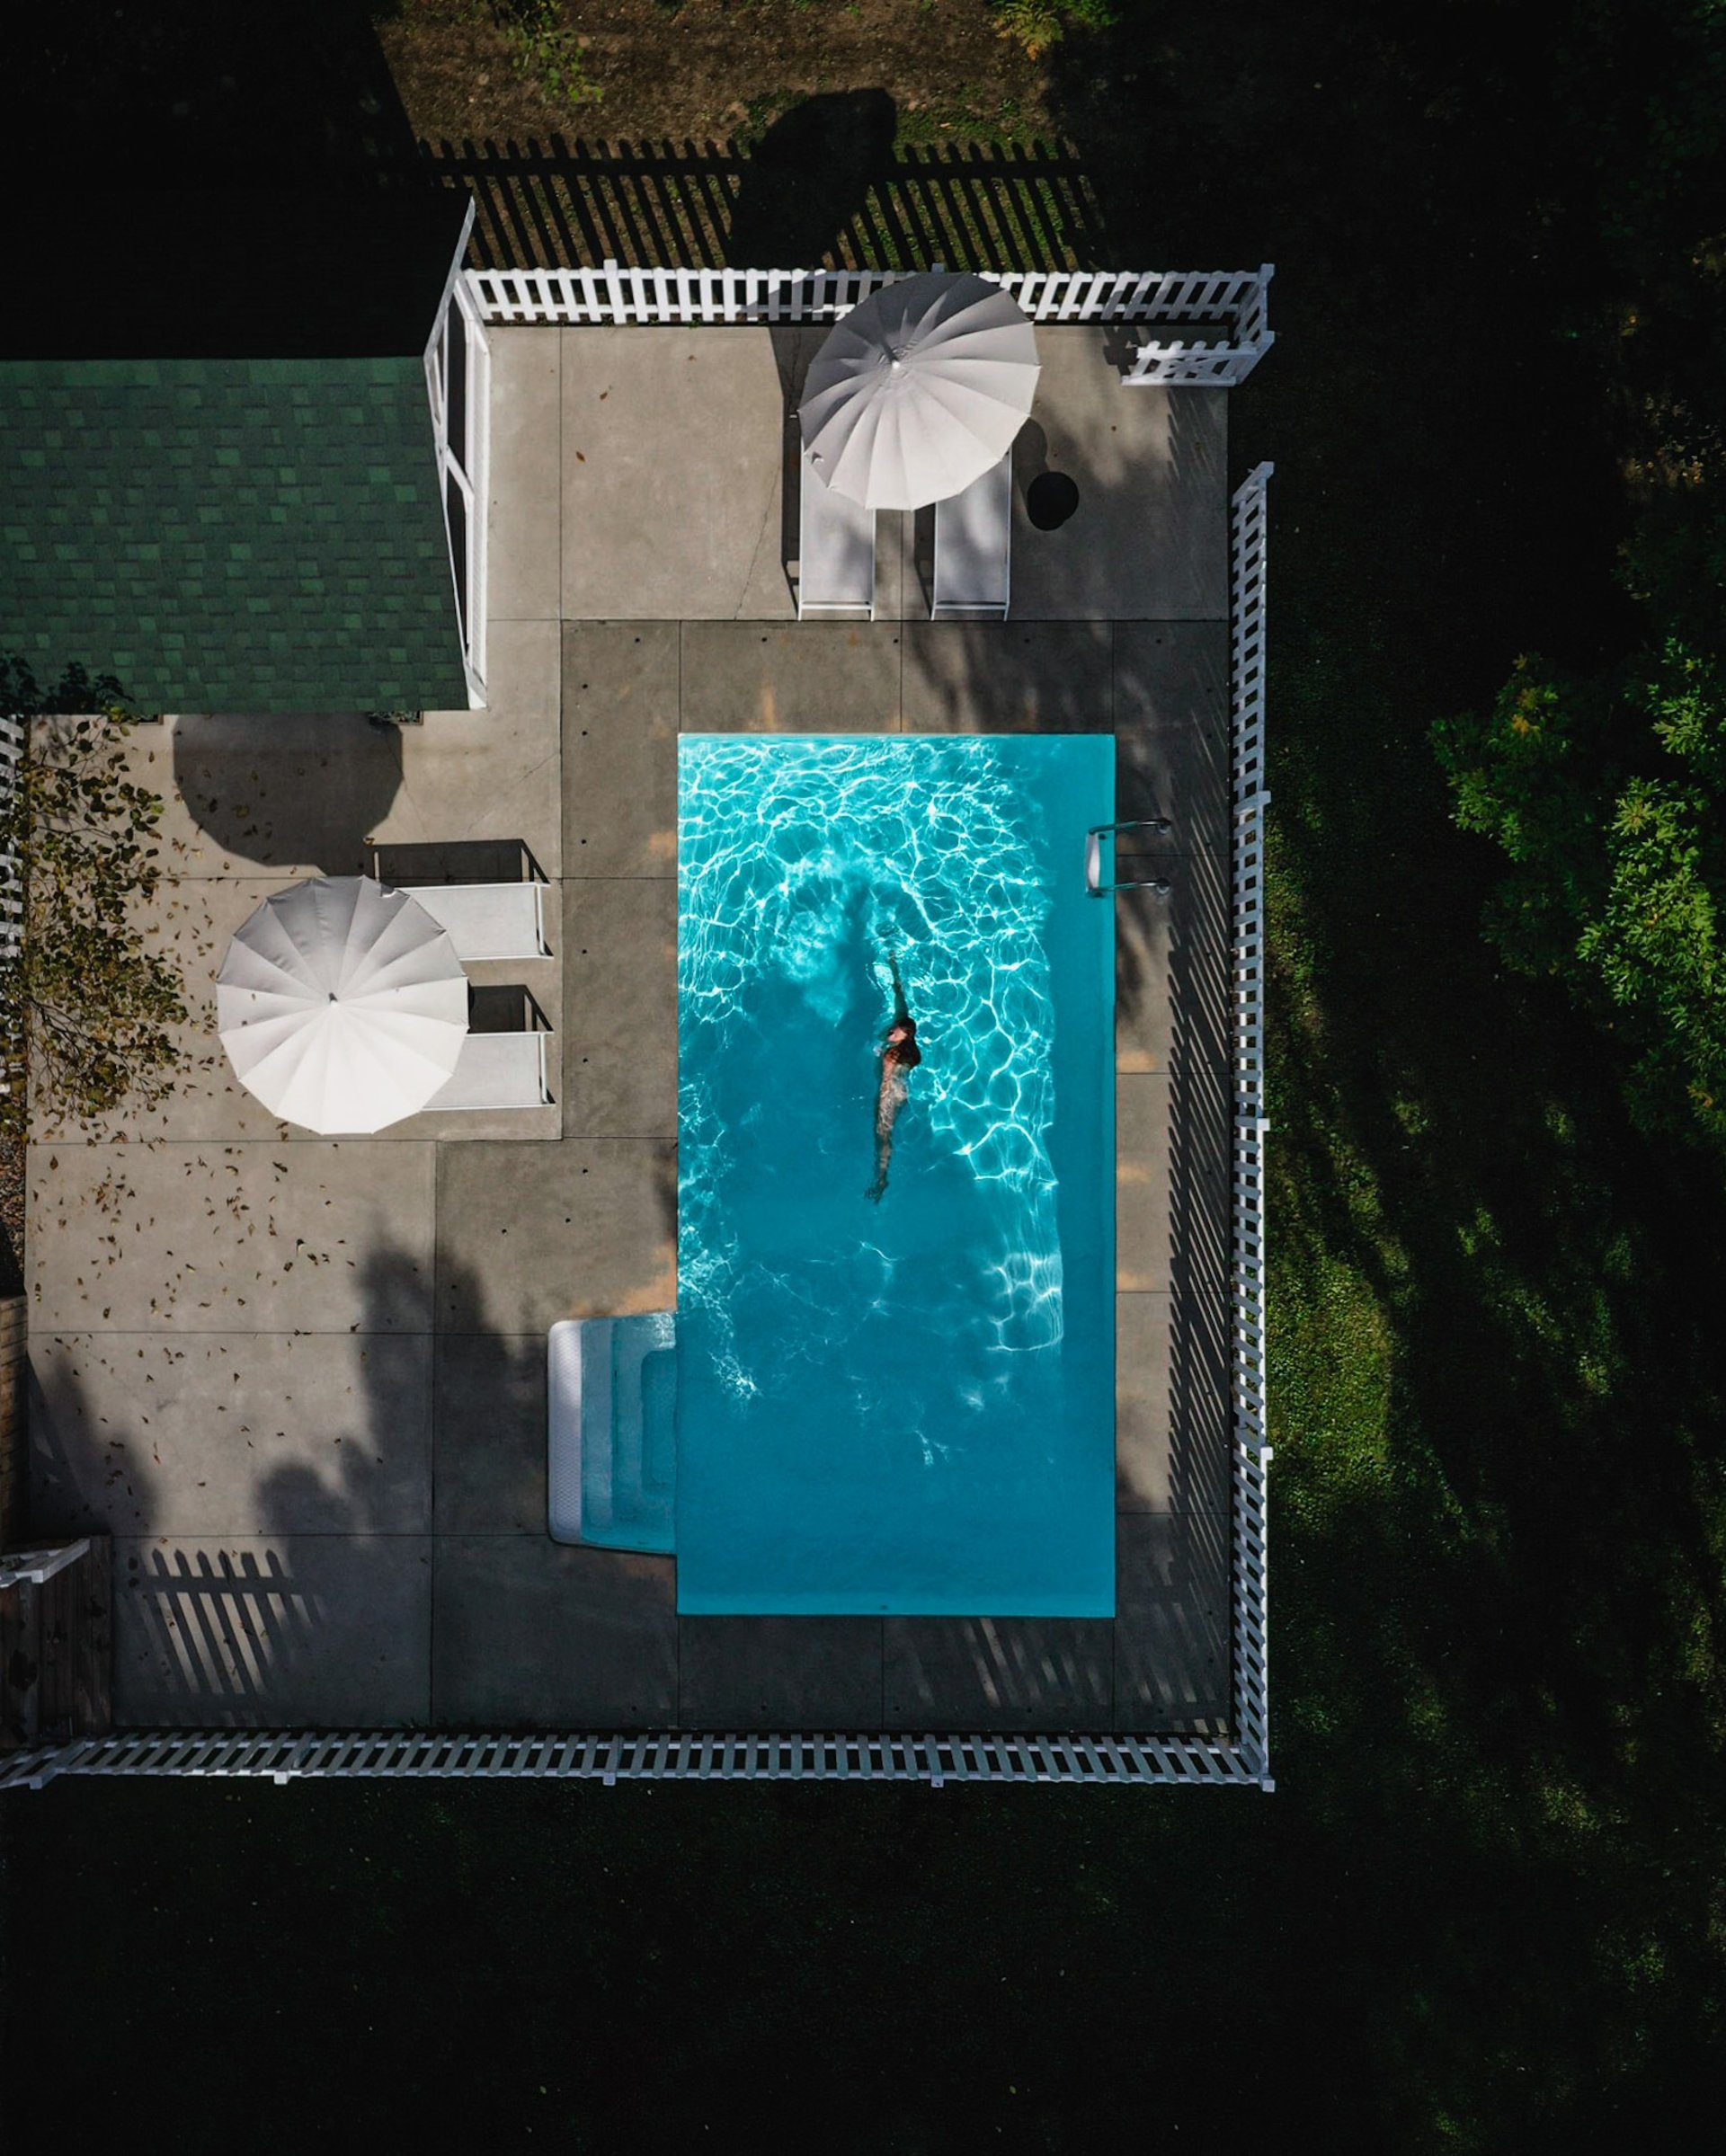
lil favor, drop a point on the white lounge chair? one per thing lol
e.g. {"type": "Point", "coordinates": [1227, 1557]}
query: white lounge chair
{"type": "Point", "coordinates": [973, 534]}
{"type": "Point", "coordinates": [835, 549]}
{"type": "Point", "coordinates": [610, 1419]}
{"type": "Point", "coordinates": [497, 1071]}
{"type": "Point", "coordinates": [487, 920]}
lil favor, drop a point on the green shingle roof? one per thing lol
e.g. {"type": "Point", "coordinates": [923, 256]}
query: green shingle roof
{"type": "Point", "coordinates": [228, 534]}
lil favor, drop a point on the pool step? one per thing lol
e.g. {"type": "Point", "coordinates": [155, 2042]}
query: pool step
{"type": "Point", "coordinates": [612, 1419]}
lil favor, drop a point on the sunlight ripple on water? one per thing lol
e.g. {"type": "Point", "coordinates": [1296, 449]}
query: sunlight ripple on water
{"type": "Point", "coordinates": [793, 857]}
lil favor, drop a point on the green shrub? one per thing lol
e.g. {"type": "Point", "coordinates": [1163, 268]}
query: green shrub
{"type": "Point", "coordinates": [1608, 797]}
{"type": "Point", "coordinates": [1037, 24]}
{"type": "Point", "coordinates": [543, 45]}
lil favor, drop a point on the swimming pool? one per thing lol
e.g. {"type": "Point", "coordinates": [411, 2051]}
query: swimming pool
{"type": "Point", "coordinates": [904, 1406]}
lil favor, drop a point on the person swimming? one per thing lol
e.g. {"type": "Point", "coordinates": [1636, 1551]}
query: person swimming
{"type": "Point", "coordinates": [899, 1055]}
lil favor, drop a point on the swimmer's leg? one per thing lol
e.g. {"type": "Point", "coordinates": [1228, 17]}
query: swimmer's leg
{"type": "Point", "coordinates": [888, 1102]}
{"type": "Point", "coordinates": [901, 1009]}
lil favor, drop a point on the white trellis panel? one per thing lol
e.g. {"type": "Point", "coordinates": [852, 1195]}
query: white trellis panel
{"type": "Point", "coordinates": [290, 1755]}
{"type": "Point", "coordinates": [12, 890]}
{"type": "Point", "coordinates": [1213, 362]}
{"type": "Point", "coordinates": [1251, 799]}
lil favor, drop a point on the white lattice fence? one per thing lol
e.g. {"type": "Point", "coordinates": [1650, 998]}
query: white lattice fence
{"type": "Point", "coordinates": [12, 888]}
{"type": "Point", "coordinates": [289, 1756]}
{"type": "Point", "coordinates": [1237, 336]}
{"type": "Point", "coordinates": [615, 293]}
{"type": "Point", "coordinates": [1253, 1455]}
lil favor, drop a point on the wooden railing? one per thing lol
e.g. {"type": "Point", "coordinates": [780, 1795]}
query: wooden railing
{"type": "Point", "coordinates": [1251, 799]}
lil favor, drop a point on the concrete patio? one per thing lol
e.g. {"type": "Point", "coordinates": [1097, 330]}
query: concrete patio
{"type": "Point", "coordinates": [302, 1382]}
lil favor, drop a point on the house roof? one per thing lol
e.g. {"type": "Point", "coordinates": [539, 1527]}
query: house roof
{"type": "Point", "coordinates": [220, 483]}
{"type": "Point", "coordinates": [228, 535]}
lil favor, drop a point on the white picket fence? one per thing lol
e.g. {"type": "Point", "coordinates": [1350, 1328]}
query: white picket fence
{"type": "Point", "coordinates": [1253, 1454]}
{"type": "Point", "coordinates": [1233, 300]}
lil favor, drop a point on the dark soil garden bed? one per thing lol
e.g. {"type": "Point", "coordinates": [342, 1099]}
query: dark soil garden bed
{"type": "Point", "coordinates": [709, 68]}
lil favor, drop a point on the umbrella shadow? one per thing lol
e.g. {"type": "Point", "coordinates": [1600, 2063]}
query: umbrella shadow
{"type": "Point", "coordinates": [303, 792]}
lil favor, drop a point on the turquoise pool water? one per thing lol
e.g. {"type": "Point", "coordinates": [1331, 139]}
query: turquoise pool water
{"type": "Point", "coordinates": [904, 1406]}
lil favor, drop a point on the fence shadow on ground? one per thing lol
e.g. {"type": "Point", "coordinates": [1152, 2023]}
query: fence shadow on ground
{"type": "Point", "coordinates": [561, 205]}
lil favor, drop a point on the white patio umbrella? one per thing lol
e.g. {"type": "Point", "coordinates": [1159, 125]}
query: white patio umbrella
{"type": "Point", "coordinates": [919, 390]}
{"type": "Point", "coordinates": [342, 1005]}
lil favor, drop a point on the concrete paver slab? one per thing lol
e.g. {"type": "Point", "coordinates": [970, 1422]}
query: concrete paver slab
{"type": "Point", "coordinates": [620, 1043]}
{"type": "Point", "coordinates": [491, 774]}
{"type": "Point", "coordinates": [998, 1672]}
{"type": "Point", "coordinates": [620, 718]}
{"type": "Point", "coordinates": [330, 1236]}
{"type": "Point", "coordinates": [1148, 540]}
{"type": "Point", "coordinates": [1173, 968]}
{"type": "Point", "coordinates": [1142, 1252]}
{"type": "Point", "coordinates": [190, 923]}
{"type": "Point", "coordinates": [1172, 1402]}
{"type": "Point", "coordinates": [1141, 1357]}
{"type": "Point", "coordinates": [543, 979]}
{"type": "Point", "coordinates": [1171, 1638]}
{"type": "Point", "coordinates": [490, 1457]}
{"type": "Point", "coordinates": [293, 1631]}
{"type": "Point", "coordinates": [1007, 678]}
{"type": "Point", "coordinates": [226, 1434]}
{"type": "Point", "coordinates": [811, 676]}
{"type": "Point", "coordinates": [1171, 1179]}
{"type": "Point", "coordinates": [284, 795]}
{"type": "Point", "coordinates": [1201, 1409]}
{"type": "Point", "coordinates": [1200, 1187]}
{"type": "Point", "coordinates": [779, 1672]}
{"type": "Point", "coordinates": [673, 474]}
{"type": "Point", "coordinates": [533, 1635]}
{"type": "Point", "coordinates": [530, 1234]}
{"type": "Point", "coordinates": [1170, 693]}
{"type": "Point", "coordinates": [524, 537]}
{"type": "Point", "coordinates": [678, 450]}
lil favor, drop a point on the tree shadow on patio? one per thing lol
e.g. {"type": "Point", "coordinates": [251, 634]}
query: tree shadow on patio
{"type": "Point", "coordinates": [270, 1496]}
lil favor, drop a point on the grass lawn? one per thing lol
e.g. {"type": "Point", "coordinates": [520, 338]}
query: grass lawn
{"type": "Point", "coordinates": [1486, 1908]}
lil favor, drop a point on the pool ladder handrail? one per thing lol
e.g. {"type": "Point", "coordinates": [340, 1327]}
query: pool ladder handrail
{"type": "Point", "coordinates": [1094, 885]}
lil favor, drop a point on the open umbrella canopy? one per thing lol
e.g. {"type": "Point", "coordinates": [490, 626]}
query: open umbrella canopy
{"type": "Point", "coordinates": [919, 390]}
{"type": "Point", "coordinates": [342, 1005]}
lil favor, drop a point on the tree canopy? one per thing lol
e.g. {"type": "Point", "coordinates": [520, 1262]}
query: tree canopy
{"type": "Point", "coordinates": [1608, 796]}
